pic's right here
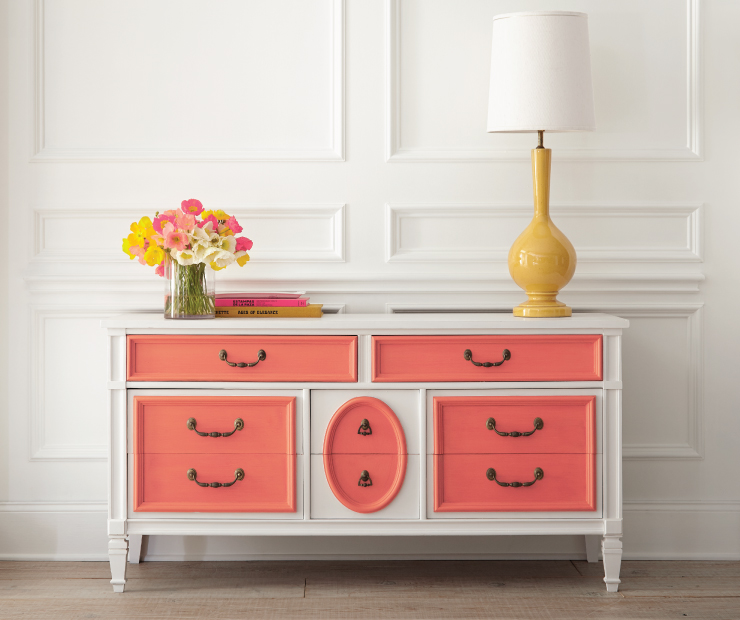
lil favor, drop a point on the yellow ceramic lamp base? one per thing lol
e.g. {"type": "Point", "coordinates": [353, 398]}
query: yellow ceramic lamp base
{"type": "Point", "coordinates": [542, 260]}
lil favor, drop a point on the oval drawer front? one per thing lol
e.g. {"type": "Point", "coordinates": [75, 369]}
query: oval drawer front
{"type": "Point", "coordinates": [163, 483]}
{"type": "Point", "coordinates": [465, 482]}
{"type": "Point", "coordinates": [364, 425]}
{"type": "Point", "coordinates": [365, 482]}
{"type": "Point", "coordinates": [499, 424]}
{"type": "Point", "coordinates": [258, 424]}
{"type": "Point", "coordinates": [242, 358]}
{"type": "Point", "coordinates": [486, 358]}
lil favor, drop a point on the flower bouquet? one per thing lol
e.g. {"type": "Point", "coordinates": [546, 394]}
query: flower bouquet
{"type": "Point", "coordinates": [187, 246]}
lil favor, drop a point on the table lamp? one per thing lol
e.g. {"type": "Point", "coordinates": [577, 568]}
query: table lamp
{"type": "Point", "coordinates": [541, 81]}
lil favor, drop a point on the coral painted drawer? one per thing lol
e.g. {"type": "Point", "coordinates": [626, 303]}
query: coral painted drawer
{"type": "Point", "coordinates": [514, 424]}
{"type": "Point", "coordinates": [214, 424]}
{"type": "Point", "coordinates": [214, 483]}
{"type": "Point", "coordinates": [242, 358]}
{"type": "Point", "coordinates": [365, 483]}
{"type": "Point", "coordinates": [514, 482]}
{"type": "Point", "coordinates": [487, 358]}
{"type": "Point", "coordinates": [364, 425]}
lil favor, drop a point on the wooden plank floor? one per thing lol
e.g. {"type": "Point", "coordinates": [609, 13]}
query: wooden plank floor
{"type": "Point", "coordinates": [556, 590]}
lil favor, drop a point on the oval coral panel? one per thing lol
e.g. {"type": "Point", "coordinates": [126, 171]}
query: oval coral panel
{"type": "Point", "coordinates": [347, 455]}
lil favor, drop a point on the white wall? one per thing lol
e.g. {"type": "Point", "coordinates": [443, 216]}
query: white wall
{"type": "Point", "coordinates": [350, 138]}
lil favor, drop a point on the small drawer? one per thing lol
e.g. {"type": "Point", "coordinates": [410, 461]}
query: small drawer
{"type": "Point", "coordinates": [514, 424]}
{"type": "Point", "coordinates": [364, 425]}
{"type": "Point", "coordinates": [464, 483]}
{"type": "Point", "coordinates": [232, 424]}
{"type": "Point", "coordinates": [242, 358]}
{"type": "Point", "coordinates": [365, 483]}
{"type": "Point", "coordinates": [165, 483]}
{"type": "Point", "coordinates": [464, 358]}
{"type": "Point", "coordinates": [348, 468]}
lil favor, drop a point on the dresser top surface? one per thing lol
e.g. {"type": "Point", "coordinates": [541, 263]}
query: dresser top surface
{"type": "Point", "coordinates": [343, 323]}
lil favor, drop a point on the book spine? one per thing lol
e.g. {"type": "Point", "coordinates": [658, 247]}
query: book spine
{"type": "Point", "coordinates": [312, 310]}
{"type": "Point", "coordinates": [261, 303]}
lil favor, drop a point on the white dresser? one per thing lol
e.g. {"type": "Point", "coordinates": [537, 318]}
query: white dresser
{"type": "Point", "coordinates": [365, 425]}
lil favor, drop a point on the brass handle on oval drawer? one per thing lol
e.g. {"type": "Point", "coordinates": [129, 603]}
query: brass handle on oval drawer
{"type": "Point", "coordinates": [538, 475]}
{"type": "Point", "coordinates": [238, 425]}
{"type": "Point", "coordinates": [193, 475]}
{"type": "Point", "coordinates": [261, 355]}
{"type": "Point", "coordinates": [491, 426]}
{"type": "Point", "coordinates": [469, 356]}
{"type": "Point", "coordinates": [365, 479]}
{"type": "Point", "coordinates": [365, 428]}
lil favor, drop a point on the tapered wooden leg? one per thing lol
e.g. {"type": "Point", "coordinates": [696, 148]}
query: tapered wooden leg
{"type": "Point", "coordinates": [117, 552]}
{"type": "Point", "coordinates": [611, 548]}
{"type": "Point", "coordinates": [134, 548]}
{"type": "Point", "coordinates": [593, 546]}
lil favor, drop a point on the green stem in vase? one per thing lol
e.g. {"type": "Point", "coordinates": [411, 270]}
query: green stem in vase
{"type": "Point", "coordinates": [188, 291]}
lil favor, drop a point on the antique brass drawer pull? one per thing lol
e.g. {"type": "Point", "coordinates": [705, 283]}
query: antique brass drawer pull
{"type": "Point", "coordinates": [192, 475]}
{"type": "Point", "coordinates": [365, 428]}
{"type": "Point", "coordinates": [261, 355]}
{"type": "Point", "coordinates": [491, 426]}
{"type": "Point", "coordinates": [538, 475]}
{"type": "Point", "coordinates": [365, 479]}
{"type": "Point", "coordinates": [238, 425]}
{"type": "Point", "coordinates": [469, 356]}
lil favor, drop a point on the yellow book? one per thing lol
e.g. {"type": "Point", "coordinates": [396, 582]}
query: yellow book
{"type": "Point", "coordinates": [311, 310]}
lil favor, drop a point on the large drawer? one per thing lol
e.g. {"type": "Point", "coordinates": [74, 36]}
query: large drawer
{"type": "Point", "coordinates": [464, 358]}
{"type": "Point", "coordinates": [514, 424]}
{"type": "Point", "coordinates": [464, 482]}
{"type": "Point", "coordinates": [167, 483]}
{"type": "Point", "coordinates": [262, 358]}
{"type": "Point", "coordinates": [232, 424]}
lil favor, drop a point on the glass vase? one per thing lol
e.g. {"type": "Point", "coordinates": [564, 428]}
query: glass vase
{"type": "Point", "coordinates": [189, 290]}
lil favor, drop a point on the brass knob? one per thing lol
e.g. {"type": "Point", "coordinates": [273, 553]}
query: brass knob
{"type": "Point", "coordinates": [365, 479]}
{"type": "Point", "coordinates": [365, 428]}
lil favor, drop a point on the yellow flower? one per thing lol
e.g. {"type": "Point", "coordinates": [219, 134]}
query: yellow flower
{"type": "Point", "coordinates": [219, 214]}
{"type": "Point", "coordinates": [242, 258]}
{"type": "Point", "coordinates": [127, 248]}
{"type": "Point", "coordinates": [144, 228]}
{"type": "Point", "coordinates": [153, 255]}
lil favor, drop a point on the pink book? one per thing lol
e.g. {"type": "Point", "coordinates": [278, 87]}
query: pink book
{"type": "Point", "coordinates": [300, 302]}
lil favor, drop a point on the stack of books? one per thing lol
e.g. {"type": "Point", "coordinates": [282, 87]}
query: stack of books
{"type": "Point", "coordinates": [261, 305]}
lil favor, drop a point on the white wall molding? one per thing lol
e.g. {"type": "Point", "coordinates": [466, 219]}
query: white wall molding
{"type": "Point", "coordinates": [331, 216]}
{"type": "Point", "coordinates": [395, 152]}
{"type": "Point", "coordinates": [73, 507]}
{"type": "Point", "coordinates": [40, 448]}
{"type": "Point", "coordinates": [335, 152]}
{"type": "Point", "coordinates": [365, 283]}
{"type": "Point", "coordinates": [687, 247]}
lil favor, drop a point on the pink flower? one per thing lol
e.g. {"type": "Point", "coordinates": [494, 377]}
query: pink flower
{"type": "Point", "coordinates": [160, 269]}
{"type": "Point", "coordinates": [243, 244]}
{"type": "Point", "coordinates": [192, 206]}
{"type": "Point", "coordinates": [167, 216]}
{"type": "Point", "coordinates": [212, 219]}
{"type": "Point", "coordinates": [185, 221]}
{"type": "Point", "coordinates": [233, 225]}
{"type": "Point", "coordinates": [175, 240]}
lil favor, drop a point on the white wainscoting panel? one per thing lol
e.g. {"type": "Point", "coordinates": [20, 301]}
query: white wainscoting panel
{"type": "Point", "coordinates": [186, 80]}
{"type": "Point", "coordinates": [437, 55]}
{"type": "Point", "coordinates": [283, 233]}
{"type": "Point", "coordinates": [475, 233]}
{"type": "Point", "coordinates": [68, 350]}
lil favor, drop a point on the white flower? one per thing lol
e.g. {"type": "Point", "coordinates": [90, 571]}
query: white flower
{"type": "Point", "coordinates": [221, 259]}
{"type": "Point", "coordinates": [203, 252]}
{"type": "Point", "coordinates": [185, 257]}
{"type": "Point", "coordinates": [228, 244]}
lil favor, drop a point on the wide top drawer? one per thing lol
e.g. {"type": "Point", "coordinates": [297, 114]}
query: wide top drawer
{"type": "Point", "coordinates": [487, 358]}
{"type": "Point", "coordinates": [242, 358]}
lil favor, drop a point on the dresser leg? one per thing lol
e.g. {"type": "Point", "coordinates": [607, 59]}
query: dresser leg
{"type": "Point", "coordinates": [117, 552]}
{"type": "Point", "coordinates": [593, 546]}
{"type": "Point", "coordinates": [134, 548]}
{"type": "Point", "coordinates": [611, 548]}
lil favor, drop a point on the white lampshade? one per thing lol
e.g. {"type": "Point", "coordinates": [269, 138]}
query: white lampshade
{"type": "Point", "coordinates": [541, 73]}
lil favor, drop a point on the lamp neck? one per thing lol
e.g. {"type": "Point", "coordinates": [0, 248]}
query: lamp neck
{"type": "Point", "coordinates": [541, 160]}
